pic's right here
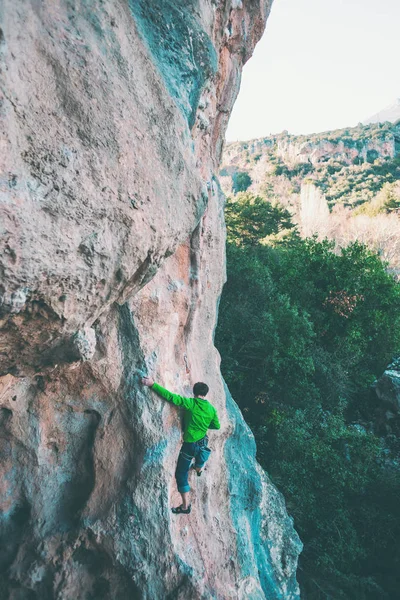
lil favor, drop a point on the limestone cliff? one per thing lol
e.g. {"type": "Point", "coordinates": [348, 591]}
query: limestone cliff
{"type": "Point", "coordinates": [111, 265]}
{"type": "Point", "coordinates": [350, 166]}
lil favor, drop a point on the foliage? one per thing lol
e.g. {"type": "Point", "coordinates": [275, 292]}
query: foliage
{"type": "Point", "coordinates": [299, 170]}
{"type": "Point", "coordinates": [386, 201]}
{"type": "Point", "coordinates": [303, 332]}
{"type": "Point", "coordinates": [241, 181]}
{"type": "Point", "coordinates": [350, 166]}
{"type": "Point", "coordinates": [345, 504]}
{"type": "Point", "coordinates": [391, 198]}
{"type": "Point", "coordinates": [250, 218]}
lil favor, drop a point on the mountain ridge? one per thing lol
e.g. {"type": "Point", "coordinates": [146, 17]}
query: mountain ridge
{"type": "Point", "coordinates": [390, 113]}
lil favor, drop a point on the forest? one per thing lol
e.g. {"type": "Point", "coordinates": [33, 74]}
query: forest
{"type": "Point", "coordinates": [305, 329]}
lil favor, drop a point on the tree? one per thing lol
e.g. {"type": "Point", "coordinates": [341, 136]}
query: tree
{"type": "Point", "coordinates": [250, 219]}
{"type": "Point", "coordinates": [241, 181]}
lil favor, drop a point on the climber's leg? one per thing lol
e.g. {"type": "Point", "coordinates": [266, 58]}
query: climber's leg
{"type": "Point", "coordinates": [185, 500]}
{"type": "Point", "coordinates": [202, 454]}
{"type": "Point", "coordinates": [185, 458]}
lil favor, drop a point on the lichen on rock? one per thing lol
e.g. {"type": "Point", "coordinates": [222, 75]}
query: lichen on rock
{"type": "Point", "coordinates": [112, 263]}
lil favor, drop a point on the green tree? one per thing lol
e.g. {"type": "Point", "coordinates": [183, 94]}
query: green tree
{"type": "Point", "coordinates": [392, 198]}
{"type": "Point", "coordinates": [241, 181]}
{"type": "Point", "coordinates": [250, 219]}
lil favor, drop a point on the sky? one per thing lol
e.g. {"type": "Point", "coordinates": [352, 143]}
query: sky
{"type": "Point", "coordinates": [320, 65]}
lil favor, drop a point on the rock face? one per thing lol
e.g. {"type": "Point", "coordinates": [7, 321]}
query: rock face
{"type": "Point", "coordinates": [111, 265]}
{"type": "Point", "coordinates": [387, 387]}
{"type": "Point", "coordinates": [348, 146]}
{"type": "Point", "coordinates": [294, 153]}
{"type": "Point", "coordinates": [314, 209]}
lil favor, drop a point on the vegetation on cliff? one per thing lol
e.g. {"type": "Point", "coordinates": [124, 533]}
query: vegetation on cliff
{"type": "Point", "coordinates": [343, 185]}
{"type": "Point", "coordinates": [350, 166]}
{"type": "Point", "coordinates": [303, 332]}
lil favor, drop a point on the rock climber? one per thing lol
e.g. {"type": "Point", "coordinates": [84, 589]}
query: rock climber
{"type": "Point", "coordinates": [200, 416]}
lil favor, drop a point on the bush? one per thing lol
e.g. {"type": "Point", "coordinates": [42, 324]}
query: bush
{"type": "Point", "coordinates": [241, 182]}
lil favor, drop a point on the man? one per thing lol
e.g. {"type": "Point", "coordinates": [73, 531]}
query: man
{"type": "Point", "coordinates": [200, 416]}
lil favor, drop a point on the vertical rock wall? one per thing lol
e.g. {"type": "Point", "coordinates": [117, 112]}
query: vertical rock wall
{"type": "Point", "coordinates": [111, 265]}
{"type": "Point", "coordinates": [314, 212]}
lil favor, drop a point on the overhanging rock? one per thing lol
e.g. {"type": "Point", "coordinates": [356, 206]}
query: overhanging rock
{"type": "Point", "coordinates": [112, 262]}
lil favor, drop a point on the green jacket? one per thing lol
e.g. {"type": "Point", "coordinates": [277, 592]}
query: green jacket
{"type": "Point", "coordinates": [200, 415]}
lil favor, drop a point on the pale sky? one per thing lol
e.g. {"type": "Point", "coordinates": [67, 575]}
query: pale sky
{"type": "Point", "coordinates": [321, 65]}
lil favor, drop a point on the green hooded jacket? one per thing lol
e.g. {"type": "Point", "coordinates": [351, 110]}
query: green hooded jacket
{"type": "Point", "coordinates": [200, 415]}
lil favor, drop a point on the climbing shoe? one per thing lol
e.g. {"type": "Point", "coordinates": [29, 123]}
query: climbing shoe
{"type": "Point", "coordinates": [178, 510]}
{"type": "Point", "coordinates": [197, 472]}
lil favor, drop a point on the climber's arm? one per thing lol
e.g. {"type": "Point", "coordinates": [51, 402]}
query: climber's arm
{"type": "Point", "coordinates": [215, 424]}
{"type": "Point", "coordinates": [176, 399]}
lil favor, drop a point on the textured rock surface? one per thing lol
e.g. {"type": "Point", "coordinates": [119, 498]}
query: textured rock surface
{"type": "Point", "coordinates": [314, 209]}
{"type": "Point", "coordinates": [387, 388]}
{"type": "Point", "coordinates": [294, 150]}
{"type": "Point", "coordinates": [111, 265]}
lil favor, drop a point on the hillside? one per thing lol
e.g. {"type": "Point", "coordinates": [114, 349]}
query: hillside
{"type": "Point", "coordinates": [307, 326]}
{"type": "Point", "coordinates": [348, 165]}
{"type": "Point", "coordinates": [342, 184]}
{"type": "Point", "coordinates": [390, 113]}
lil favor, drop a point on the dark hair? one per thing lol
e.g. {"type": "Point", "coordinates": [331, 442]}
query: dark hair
{"type": "Point", "coordinates": [200, 389]}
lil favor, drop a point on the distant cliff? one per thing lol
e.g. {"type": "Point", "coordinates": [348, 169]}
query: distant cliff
{"type": "Point", "coordinates": [341, 184]}
{"type": "Point", "coordinates": [348, 165]}
{"type": "Point", "coordinates": [112, 262]}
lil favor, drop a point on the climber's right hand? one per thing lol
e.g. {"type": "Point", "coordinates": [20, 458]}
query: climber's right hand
{"type": "Point", "coordinates": [147, 381]}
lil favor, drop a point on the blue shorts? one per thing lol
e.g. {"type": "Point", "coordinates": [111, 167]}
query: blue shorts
{"type": "Point", "coordinates": [189, 451]}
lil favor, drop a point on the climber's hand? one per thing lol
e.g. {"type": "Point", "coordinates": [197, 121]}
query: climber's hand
{"type": "Point", "coordinates": [147, 381]}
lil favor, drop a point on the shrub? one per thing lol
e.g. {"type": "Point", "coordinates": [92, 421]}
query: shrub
{"type": "Point", "coordinates": [241, 181]}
